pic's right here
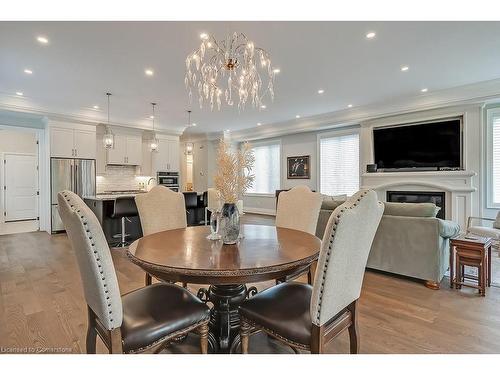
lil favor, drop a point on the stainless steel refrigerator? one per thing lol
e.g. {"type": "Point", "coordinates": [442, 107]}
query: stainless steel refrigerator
{"type": "Point", "coordinates": [76, 175]}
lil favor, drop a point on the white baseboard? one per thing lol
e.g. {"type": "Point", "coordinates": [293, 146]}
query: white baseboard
{"type": "Point", "coordinates": [260, 211]}
{"type": "Point", "coordinates": [19, 227]}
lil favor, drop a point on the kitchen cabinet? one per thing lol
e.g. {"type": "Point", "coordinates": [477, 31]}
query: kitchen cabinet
{"type": "Point", "coordinates": [167, 157]}
{"type": "Point", "coordinates": [68, 142]}
{"type": "Point", "coordinates": [85, 143]}
{"type": "Point", "coordinates": [127, 150]}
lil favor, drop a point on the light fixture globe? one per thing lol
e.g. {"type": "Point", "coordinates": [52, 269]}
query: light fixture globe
{"type": "Point", "coordinates": [233, 69]}
{"type": "Point", "coordinates": [155, 143]}
{"type": "Point", "coordinates": [109, 138]}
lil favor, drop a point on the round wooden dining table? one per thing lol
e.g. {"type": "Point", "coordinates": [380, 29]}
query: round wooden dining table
{"type": "Point", "coordinates": [263, 253]}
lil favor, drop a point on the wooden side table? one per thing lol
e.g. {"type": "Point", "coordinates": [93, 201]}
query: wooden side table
{"type": "Point", "coordinates": [472, 251]}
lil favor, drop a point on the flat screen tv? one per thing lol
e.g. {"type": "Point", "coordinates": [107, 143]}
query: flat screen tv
{"type": "Point", "coordinates": [422, 146]}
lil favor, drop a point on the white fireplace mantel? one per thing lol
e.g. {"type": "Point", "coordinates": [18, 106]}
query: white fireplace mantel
{"type": "Point", "coordinates": [458, 186]}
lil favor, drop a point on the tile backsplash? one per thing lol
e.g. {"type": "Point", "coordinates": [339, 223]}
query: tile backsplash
{"type": "Point", "coordinates": [120, 177]}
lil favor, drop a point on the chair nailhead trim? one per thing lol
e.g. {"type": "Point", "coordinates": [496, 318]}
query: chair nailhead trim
{"type": "Point", "coordinates": [332, 237]}
{"type": "Point", "coordinates": [96, 257]}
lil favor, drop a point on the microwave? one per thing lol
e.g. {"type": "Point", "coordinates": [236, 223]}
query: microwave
{"type": "Point", "coordinates": [168, 179]}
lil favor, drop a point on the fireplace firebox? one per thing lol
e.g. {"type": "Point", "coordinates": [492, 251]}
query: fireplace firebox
{"type": "Point", "coordinates": [436, 197]}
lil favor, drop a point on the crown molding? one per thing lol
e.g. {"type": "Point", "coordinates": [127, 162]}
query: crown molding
{"type": "Point", "coordinates": [476, 93]}
{"type": "Point", "coordinates": [80, 119]}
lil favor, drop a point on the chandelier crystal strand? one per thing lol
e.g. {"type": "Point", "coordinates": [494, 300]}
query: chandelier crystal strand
{"type": "Point", "coordinates": [233, 67]}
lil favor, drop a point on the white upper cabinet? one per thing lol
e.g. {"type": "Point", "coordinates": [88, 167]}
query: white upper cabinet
{"type": "Point", "coordinates": [127, 150]}
{"type": "Point", "coordinates": [167, 157]}
{"type": "Point", "coordinates": [73, 142]}
{"type": "Point", "coordinates": [85, 144]}
{"type": "Point", "coordinates": [61, 143]}
{"type": "Point", "coordinates": [173, 155]}
{"type": "Point", "coordinates": [117, 154]}
{"type": "Point", "coordinates": [134, 150]}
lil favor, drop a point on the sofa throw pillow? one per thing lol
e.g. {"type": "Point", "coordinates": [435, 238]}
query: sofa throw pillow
{"type": "Point", "coordinates": [331, 204]}
{"type": "Point", "coordinates": [411, 209]}
{"type": "Point", "coordinates": [341, 197]}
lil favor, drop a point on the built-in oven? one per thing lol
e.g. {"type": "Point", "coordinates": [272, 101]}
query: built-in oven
{"type": "Point", "coordinates": [168, 179]}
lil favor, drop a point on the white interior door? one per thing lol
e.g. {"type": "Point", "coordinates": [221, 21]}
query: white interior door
{"type": "Point", "coordinates": [21, 187]}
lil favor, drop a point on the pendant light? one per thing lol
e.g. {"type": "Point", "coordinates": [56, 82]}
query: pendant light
{"type": "Point", "coordinates": [154, 142]}
{"type": "Point", "coordinates": [109, 138]}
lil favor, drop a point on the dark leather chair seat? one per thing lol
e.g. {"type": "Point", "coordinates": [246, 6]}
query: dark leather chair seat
{"type": "Point", "coordinates": [157, 311]}
{"type": "Point", "coordinates": [283, 309]}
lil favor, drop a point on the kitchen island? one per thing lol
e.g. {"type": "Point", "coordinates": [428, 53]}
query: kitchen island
{"type": "Point", "coordinates": [103, 205]}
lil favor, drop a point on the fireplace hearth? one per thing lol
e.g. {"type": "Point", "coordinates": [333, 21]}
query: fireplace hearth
{"type": "Point", "coordinates": [436, 197]}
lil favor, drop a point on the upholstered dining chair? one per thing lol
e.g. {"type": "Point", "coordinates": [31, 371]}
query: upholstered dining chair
{"type": "Point", "coordinates": [308, 317]}
{"type": "Point", "coordinates": [299, 209]}
{"type": "Point", "coordinates": [160, 209]}
{"type": "Point", "coordinates": [144, 320]}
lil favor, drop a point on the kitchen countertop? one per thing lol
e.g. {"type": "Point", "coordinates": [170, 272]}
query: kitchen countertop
{"type": "Point", "coordinates": [110, 197]}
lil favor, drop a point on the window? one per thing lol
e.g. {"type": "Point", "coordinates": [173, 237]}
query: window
{"type": "Point", "coordinates": [339, 164]}
{"type": "Point", "coordinates": [266, 168]}
{"type": "Point", "coordinates": [493, 157]}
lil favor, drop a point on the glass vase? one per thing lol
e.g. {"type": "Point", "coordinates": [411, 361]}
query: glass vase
{"type": "Point", "coordinates": [215, 219]}
{"type": "Point", "coordinates": [230, 228]}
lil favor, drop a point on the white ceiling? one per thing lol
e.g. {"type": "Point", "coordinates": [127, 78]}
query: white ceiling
{"type": "Point", "coordinates": [84, 60]}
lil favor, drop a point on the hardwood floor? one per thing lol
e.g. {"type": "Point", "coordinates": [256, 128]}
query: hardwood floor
{"type": "Point", "coordinates": [42, 307]}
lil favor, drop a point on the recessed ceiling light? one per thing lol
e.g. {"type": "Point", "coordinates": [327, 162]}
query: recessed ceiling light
{"type": "Point", "coordinates": [95, 107]}
{"type": "Point", "coordinates": [297, 116]}
{"type": "Point", "coordinates": [349, 106]}
{"type": "Point", "coordinates": [227, 130]}
{"type": "Point", "coordinates": [259, 124]}
{"type": "Point", "coordinates": [263, 106]}
{"type": "Point", "coordinates": [370, 35]}
{"type": "Point", "coordinates": [321, 91]}
{"type": "Point", "coordinates": [151, 117]}
{"type": "Point", "coordinates": [193, 124]}
{"type": "Point", "coordinates": [28, 71]}
{"type": "Point", "coordinates": [41, 39]}
{"type": "Point", "coordinates": [424, 90]}
{"type": "Point", "coordinates": [405, 68]}
{"type": "Point", "coordinates": [204, 36]}
{"type": "Point", "coordinates": [19, 93]}
{"type": "Point", "coordinates": [149, 72]}
{"type": "Point", "coordinates": [276, 71]}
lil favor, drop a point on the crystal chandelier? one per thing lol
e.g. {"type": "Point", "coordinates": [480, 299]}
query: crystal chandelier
{"type": "Point", "coordinates": [154, 142]}
{"type": "Point", "coordinates": [230, 68]}
{"type": "Point", "coordinates": [109, 138]}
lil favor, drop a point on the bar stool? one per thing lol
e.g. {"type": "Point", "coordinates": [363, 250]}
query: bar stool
{"type": "Point", "coordinates": [124, 208]}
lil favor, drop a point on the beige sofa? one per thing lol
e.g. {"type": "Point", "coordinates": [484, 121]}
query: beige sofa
{"type": "Point", "coordinates": [410, 240]}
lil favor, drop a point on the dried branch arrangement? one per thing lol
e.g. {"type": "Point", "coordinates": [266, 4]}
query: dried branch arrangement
{"type": "Point", "coordinates": [233, 175]}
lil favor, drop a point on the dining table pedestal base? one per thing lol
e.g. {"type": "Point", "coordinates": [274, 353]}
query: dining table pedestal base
{"type": "Point", "coordinates": [224, 318]}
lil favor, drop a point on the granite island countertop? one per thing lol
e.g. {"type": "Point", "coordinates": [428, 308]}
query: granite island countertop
{"type": "Point", "coordinates": [110, 197]}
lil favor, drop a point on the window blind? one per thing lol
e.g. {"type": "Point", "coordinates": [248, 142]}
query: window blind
{"type": "Point", "coordinates": [339, 164]}
{"type": "Point", "coordinates": [266, 169]}
{"type": "Point", "coordinates": [495, 159]}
